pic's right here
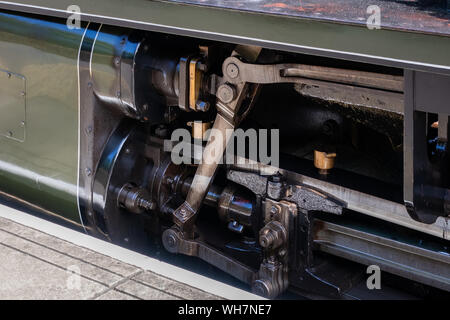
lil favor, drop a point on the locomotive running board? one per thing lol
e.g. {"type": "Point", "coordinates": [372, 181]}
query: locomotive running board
{"type": "Point", "coordinates": [306, 36]}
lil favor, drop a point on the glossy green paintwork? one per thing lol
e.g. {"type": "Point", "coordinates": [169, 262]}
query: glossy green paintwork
{"type": "Point", "coordinates": [43, 168]}
{"type": "Point", "coordinates": [103, 71]}
{"type": "Point", "coordinates": [413, 50]}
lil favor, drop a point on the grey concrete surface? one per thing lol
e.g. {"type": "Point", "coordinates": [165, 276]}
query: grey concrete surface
{"type": "Point", "coordinates": [36, 265]}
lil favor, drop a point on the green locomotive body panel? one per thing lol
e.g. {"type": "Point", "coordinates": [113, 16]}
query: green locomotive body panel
{"type": "Point", "coordinates": [42, 169]}
{"type": "Point", "coordinates": [41, 164]}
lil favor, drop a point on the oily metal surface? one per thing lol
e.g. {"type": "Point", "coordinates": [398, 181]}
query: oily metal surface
{"type": "Point", "coordinates": [405, 259]}
{"type": "Point", "coordinates": [343, 41]}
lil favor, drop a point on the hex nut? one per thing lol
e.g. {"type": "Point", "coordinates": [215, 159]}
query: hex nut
{"type": "Point", "coordinates": [273, 235]}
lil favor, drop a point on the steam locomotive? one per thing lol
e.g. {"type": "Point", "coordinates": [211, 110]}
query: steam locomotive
{"type": "Point", "coordinates": [276, 144]}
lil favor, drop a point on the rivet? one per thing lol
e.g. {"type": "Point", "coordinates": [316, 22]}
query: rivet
{"type": "Point", "coordinates": [232, 70]}
{"type": "Point", "coordinates": [88, 172]}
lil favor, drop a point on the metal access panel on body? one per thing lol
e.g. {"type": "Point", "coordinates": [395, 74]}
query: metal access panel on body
{"type": "Point", "coordinates": [12, 105]}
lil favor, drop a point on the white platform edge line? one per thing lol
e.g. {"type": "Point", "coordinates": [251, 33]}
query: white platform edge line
{"type": "Point", "coordinates": [192, 279]}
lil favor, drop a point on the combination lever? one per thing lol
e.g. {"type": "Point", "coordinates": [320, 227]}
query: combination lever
{"type": "Point", "coordinates": [226, 120]}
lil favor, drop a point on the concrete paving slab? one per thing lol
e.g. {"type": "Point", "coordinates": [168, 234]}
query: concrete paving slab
{"type": "Point", "coordinates": [60, 259]}
{"type": "Point", "coordinates": [43, 260]}
{"type": "Point", "coordinates": [35, 265]}
{"type": "Point", "coordinates": [145, 292]}
{"type": "Point", "coordinates": [24, 277]}
{"type": "Point", "coordinates": [172, 287]}
{"type": "Point", "coordinates": [115, 295]}
{"type": "Point", "coordinates": [58, 245]}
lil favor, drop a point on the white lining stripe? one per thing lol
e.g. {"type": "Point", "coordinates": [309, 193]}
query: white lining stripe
{"type": "Point", "coordinates": [79, 126]}
{"type": "Point", "coordinates": [93, 48]}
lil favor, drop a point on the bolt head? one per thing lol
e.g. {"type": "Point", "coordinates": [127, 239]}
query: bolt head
{"type": "Point", "coordinates": [261, 288]}
{"type": "Point", "coordinates": [264, 242]}
{"type": "Point", "coordinates": [274, 210]}
{"type": "Point", "coordinates": [276, 178]}
{"type": "Point", "coordinates": [202, 106]}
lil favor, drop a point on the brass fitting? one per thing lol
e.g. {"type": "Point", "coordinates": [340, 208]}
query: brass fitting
{"type": "Point", "coordinates": [324, 161]}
